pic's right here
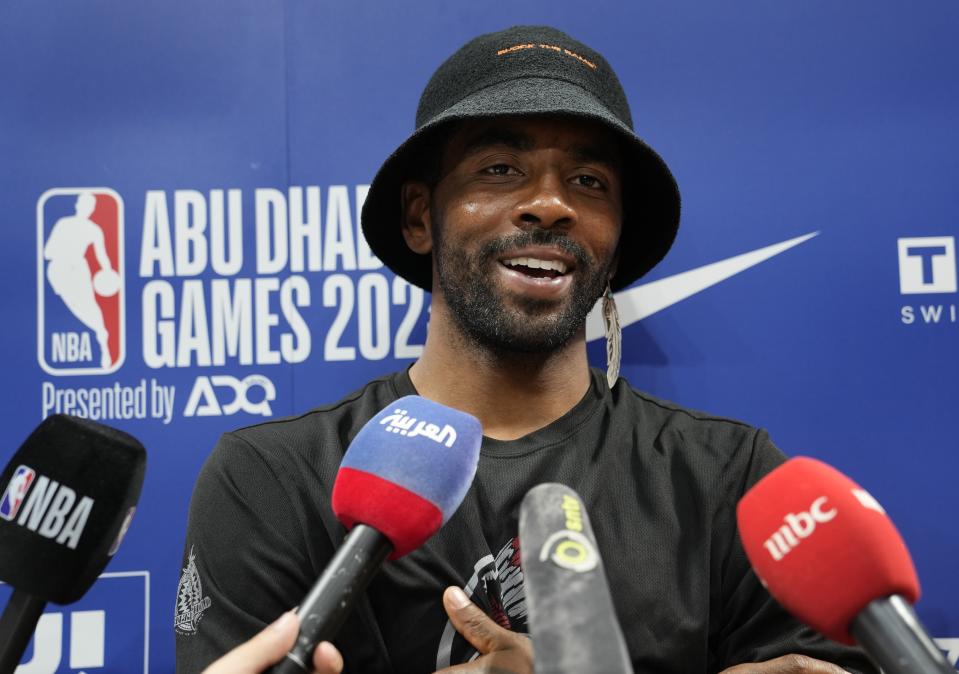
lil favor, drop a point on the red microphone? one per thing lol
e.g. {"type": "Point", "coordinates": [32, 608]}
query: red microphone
{"type": "Point", "coordinates": [827, 551]}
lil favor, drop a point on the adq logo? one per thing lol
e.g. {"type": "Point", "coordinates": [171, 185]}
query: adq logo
{"type": "Point", "coordinates": [203, 400]}
{"type": "Point", "coordinates": [80, 281]}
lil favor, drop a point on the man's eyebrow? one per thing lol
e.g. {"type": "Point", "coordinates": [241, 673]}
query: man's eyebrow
{"type": "Point", "coordinates": [493, 137]}
{"type": "Point", "coordinates": [598, 154]}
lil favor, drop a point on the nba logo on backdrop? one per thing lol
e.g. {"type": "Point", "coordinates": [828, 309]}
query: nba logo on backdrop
{"type": "Point", "coordinates": [80, 281]}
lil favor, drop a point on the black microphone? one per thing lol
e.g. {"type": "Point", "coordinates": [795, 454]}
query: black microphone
{"type": "Point", "coordinates": [403, 476]}
{"type": "Point", "coordinates": [69, 494]}
{"type": "Point", "coordinates": [571, 615]}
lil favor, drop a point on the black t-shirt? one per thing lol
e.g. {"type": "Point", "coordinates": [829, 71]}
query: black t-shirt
{"type": "Point", "coordinates": [660, 484]}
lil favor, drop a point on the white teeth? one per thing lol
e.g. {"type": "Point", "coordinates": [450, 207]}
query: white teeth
{"type": "Point", "coordinates": [534, 263]}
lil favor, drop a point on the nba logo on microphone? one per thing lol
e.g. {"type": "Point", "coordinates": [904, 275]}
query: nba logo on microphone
{"type": "Point", "coordinates": [16, 491]}
{"type": "Point", "coordinates": [80, 281]}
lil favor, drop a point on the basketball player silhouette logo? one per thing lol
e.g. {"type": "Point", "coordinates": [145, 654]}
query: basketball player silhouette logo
{"type": "Point", "coordinates": [81, 264]}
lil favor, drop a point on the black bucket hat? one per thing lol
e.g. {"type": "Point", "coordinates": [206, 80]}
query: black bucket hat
{"type": "Point", "coordinates": [527, 70]}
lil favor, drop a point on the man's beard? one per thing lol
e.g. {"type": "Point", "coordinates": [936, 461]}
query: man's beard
{"type": "Point", "coordinates": [479, 308]}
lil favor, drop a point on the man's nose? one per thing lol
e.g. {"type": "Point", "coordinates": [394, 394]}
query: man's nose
{"type": "Point", "coordinates": [546, 202]}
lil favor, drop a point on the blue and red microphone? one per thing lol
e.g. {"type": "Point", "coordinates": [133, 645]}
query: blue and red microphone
{"type": "Point", "coordinates": [403, 476]}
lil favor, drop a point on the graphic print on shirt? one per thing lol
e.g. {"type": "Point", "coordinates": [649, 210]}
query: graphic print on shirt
{"type": "Point", "coordinates": [190, 602]}
{"type": "Point", "coordinates": [496, 586]}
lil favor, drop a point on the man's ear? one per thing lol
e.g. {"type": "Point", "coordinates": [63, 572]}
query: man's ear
{"type": "Point", "coordinates": [417, 221]}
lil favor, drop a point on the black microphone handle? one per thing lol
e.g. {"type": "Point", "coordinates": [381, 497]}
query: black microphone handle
{"type": "Point", "coordinates": [889, 631]}
{"type": "Point", "coordinates": [17, 623]}
{"type": "Point", "coordinates": [325, 608]}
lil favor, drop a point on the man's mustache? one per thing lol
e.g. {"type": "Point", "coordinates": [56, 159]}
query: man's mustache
{"type": "Point", "coordinates": [537, 237]}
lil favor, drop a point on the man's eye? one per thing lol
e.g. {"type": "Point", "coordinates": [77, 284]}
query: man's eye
{"type": "Point", "coordinates": [586, 180]}
{"type": "Point", "coordinates": [499, 170]}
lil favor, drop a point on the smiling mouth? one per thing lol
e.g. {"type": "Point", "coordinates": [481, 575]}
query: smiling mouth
{"type": "Point", "coordinates": [536, 268]}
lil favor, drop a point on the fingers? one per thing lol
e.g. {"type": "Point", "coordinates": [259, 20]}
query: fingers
{"type": "Point", "coordinates": [787, 664]}
{"type": "Point", "coordinates": [501, 651]}
{"type": "Point", "coordinates": [257, 654]}
{"type": "Point", "coordinates": [326, 659]}
{"type": "Point", "coordinates": [470, 621]}
{"type": "Point", "coordinates": [269, 646]}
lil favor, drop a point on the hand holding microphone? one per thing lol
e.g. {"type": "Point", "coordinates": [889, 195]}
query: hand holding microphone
{"type": "Point", "coordinates": [827, 551]}
{"type": "Point", "coordinates": [269, 646]}
{"type": "Point", "coordinates": [504, 649]}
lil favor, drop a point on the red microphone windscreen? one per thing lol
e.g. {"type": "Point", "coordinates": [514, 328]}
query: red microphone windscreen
{"type": "Point", "coordinates": [823, 546]}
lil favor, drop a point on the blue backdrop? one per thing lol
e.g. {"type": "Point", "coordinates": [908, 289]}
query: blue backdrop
{"type": "Point", "coordinates": [228, 145]}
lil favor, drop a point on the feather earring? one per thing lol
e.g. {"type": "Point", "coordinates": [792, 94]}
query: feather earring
{"type": "Point", "coordinates": [614, 337]}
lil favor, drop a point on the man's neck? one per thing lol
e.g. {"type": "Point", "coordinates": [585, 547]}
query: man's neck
{"type": "Point", "coordinates": [512, 394]}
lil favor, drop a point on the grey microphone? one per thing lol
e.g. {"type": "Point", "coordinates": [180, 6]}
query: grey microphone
{"type": "Point", "coordinates": [571, 616]}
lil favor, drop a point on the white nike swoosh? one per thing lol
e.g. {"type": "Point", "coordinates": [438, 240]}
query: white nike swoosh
{"type": "Point", "coordinates": [636, 303]}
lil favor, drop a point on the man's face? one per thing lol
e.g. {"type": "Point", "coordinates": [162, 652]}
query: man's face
{"type": "Point", "coordinates": [525, 220]}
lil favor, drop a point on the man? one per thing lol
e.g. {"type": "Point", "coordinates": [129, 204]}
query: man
{"type": "Point", "coordinates": [523, 196]}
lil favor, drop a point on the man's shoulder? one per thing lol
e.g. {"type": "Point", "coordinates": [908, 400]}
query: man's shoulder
{"type": "Point", "coordinates": [713, 447]}
{"type": "Point", "coordinates": [667, 409]}
{"type": "Point", "coordinates": [321, 427]}
{"type": "Point", "coordinates": [664, 418]}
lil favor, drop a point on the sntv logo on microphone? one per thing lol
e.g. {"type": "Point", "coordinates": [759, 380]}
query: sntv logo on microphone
{"type": "Point", "coordinates": [569, 548]}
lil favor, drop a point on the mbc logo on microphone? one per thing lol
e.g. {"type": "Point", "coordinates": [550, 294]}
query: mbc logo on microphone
{"type": "Point", "coordinates": [80, 281]}
{"type": "Point", "coordinates": [797, 527]}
